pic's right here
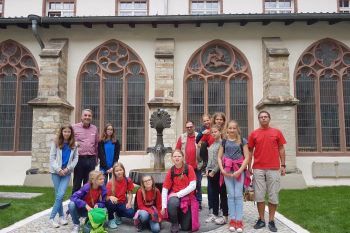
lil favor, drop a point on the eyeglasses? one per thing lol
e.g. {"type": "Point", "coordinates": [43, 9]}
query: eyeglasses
{"type": "Point", "coordinates": [189, 127]}
{"type": "Point", "coordinates": [147, 180]}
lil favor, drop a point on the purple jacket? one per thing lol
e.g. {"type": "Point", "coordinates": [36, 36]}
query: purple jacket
{"type": "Point", "coordinates": [79, 196]}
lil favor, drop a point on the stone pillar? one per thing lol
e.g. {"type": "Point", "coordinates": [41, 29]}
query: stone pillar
{"type": "Point", "coordinates": [277, 98]}
{"type": "Point", "coordinates": [164, 92]}
{"type": "Point", "coordinates": [50, 108]}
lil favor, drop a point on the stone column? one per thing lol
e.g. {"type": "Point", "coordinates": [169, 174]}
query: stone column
{"type": "Point", "coordinates": [277, 98]}
{"type": "Point", "coordinates": [50, 108]}
{"type": "Point", "coordinates": [164, 92]}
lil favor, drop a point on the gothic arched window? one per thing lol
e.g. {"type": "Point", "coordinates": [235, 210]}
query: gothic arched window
{"type": "Point", "coordinates": [18, 85]}
{"type": "Point", "coordinates": [218, 79]}
{"type": "Point", "coordinates": [113, 83]}
{"type": "Point", "coordinates": [323, 88]}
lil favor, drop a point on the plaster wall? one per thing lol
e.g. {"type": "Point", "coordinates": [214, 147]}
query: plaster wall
{"type": "Point", "coordinates": [27, 7]}
{"type": "Point", "coordinates": [242, 7]}
{"type": "Point", "coordinates": [94, 8]}
{"type": "Point", "coordinates": [311, 6]}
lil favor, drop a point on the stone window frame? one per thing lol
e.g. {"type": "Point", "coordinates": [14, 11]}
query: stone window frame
{"type": "Point", "coordinates": [118, 8]}
{"type": "Point", "coordinates": [293, 8]}
{"type": "Point", "coordinates": [46, 3]}
{"type": "Point", "coordinates": [101, 125]}
{"type": "Point", "coordinates": [315, 74]}
{"type": "Point", "coordinates": [2, 2]}
{"type": "Point", "coordinates": [220, 5]}
{"type": "Point", "coordinates": [343, 9]}
{"type": "Point", "coordinates": [247, 73]}
{"type": "Point", "coordinates": [20, 71]}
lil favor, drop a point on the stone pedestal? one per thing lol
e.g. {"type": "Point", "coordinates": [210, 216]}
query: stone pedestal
{"type": "Point", "coordinates": [277, 98]}
{"type": "Point", "coordinates": [50, 108]}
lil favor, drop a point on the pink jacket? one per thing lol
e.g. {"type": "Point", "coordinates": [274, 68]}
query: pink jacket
{"type": "Point", "coordinates": [230, 164]}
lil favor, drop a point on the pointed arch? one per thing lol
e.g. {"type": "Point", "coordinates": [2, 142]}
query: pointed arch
{"type": "Point", "coordinates": [112, 81]}
{"type": "Point", "coordinates": [322, 84]}
{"type": "Point", "coordinates": [218, 78]}
{"type": "Point", "coordinates": [18, 84]}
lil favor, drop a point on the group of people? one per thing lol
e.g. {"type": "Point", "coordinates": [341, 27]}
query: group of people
{"type": "Point", "coordinates": [217, 150]}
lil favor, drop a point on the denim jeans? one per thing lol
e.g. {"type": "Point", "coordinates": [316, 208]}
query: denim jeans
{"type": "Point", "coordinates": [120, 209]}
{"type": "Point", "coordinates": [234, 190]}
{"type": "Point", "coordinates": [76, 212]}
{"type": "Point", "coordinates": [60, 184]}
{"type": "Point", "coordinates": [199, 186]}
{"type": "Point", "coordinates": [145, 219]}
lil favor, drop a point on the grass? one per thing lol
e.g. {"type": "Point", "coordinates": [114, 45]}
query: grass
{"type": "Point", "coordinates": [318, 210]}
{"type": "Point", "coordinates": [22, 208]}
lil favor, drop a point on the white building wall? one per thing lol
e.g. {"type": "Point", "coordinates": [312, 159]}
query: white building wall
{"type": "Point", "coordinates": [22, 8]}
{"type": "Point", "coordinates": [318, 6]}
{"type": "Point", "coordinates": [242, 7]}
{"type": "Point", "coordinates": [95, 8]}
{"type": "Point", "coordinates": [178, 7]}
{"type": "Point", "coordinates": [158, 7]}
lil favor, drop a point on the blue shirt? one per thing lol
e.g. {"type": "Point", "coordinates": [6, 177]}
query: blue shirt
{"type": "Point", "coordinates": [109, 150]}
{"type": "Point", "coordinates": [65, 155]}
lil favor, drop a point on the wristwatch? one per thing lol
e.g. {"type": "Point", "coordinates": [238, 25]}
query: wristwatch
{"type": "Point", "coordinates": [283, 165]}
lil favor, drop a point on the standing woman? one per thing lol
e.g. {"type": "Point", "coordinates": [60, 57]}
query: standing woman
{"type": "Point", "coordinates": [63, 158]}
{"type": "Point", "coordinates": [178, 196]}
{"type": "Point", "coordinates": [108, 151]}
{"type": "Point", "coordinates": [233, 157]}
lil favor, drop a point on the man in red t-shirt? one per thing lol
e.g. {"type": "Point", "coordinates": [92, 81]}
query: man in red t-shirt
{"type": "Point", "coordinates": [266, 145]}
{"type": "Point", "coordinates": [187, 144]}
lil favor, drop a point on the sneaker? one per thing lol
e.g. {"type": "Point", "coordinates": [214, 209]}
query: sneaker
{"type": "Point", "coordinates": [54, 224]}
{"type": "Point", "coordinates": [174, 228]}
{"type": "Point", "coordinates": [76, 228]}
{"type": "Point", "coordinates": [62, 221]}
{"type": "Point", "coordinates": [272, 226]}
{"type": "Point", "coordinates": [118, 220]}
{"type": "Point", "coordinates": [139, 227]}
{"type": "Point", "coordinates": [232, 225]}
{"type": "Point", "coordinates": [112, 224]}
{"type": "Point", "coordinates": [211, 218]}
{"type": "Point", "coordinates": [239, 226]}
{"type": "Point", "coordinates": [259, 224]}
{"type": "Point", "coordinates": [220, 220]}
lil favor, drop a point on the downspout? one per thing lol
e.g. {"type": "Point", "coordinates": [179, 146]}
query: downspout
{"type": "Point", "coordinates": [35, 19]}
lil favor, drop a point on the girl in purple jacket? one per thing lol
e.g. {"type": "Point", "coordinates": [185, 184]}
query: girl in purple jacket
{"type": "Point", "coordinates": [91, 195]}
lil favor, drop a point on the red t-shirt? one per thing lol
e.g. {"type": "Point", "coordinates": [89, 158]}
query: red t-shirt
{"type": "Point", "coordinates": [265, 143]}
{"type": "Point", "coordinates": [92, 197]}
{"type": "Point", "coordinates": [208, 138]}
{"type": "Point", "coordinates": [149, 200]}
{"type": "Point", "coordinates": [190, 150]}
{"type": "Point", "coordinates": [179, 182]}
{"type": "Point", "coordinates": [121, 187]}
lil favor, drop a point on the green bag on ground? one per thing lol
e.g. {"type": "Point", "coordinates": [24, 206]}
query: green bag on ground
{"type": "Point", "coordinates": [95, 221]}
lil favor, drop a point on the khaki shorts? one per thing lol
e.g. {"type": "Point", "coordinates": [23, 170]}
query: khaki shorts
{"type": "Point", "coordinates": [266, 181]}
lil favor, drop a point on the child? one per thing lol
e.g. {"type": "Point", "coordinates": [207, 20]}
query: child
{"type": "Point", "coordinates": [119, 196]}
{"type": "Point", "coordinates": [213, 174]}
{"type": "Point", "coordinates": [149, 203]}
{"type": "Point", "coordinates": [63, 159]}
{"type": "Point", "coordinates": [178, 196]}
{"type": "Point", "coordinates": [91, 195]}
{"type": "Point", "coordinates": [108, 151]}
{"type": "Point", "coordinates": [233, 159]}
{"type": "Point", "coordinates": [219, 119]}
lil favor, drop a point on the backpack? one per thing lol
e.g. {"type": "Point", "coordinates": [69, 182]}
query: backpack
{"type": "Point", "coordinates": [95, 221]}
{"type": "Point", "coordinates": [172, 174]}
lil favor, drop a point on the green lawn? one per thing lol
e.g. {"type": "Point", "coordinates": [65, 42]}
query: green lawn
{"type": "Point", "coordinates": [22, 208]}
{"type": "Point", "coordinates": [318, 209]}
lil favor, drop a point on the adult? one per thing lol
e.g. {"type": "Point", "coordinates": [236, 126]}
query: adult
{"type": "Point", "coordinates": [86, 135]}
{"type": "Point", "coordinates": [266, 145]}
{"type": "Point", "coordinates": [187, 144]}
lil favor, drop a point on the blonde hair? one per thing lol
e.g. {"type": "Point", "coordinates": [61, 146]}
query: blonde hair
{"type": "Point", "coordinates": [238, 136]}
{"type": "Point", "coordinates": [117, 164]}
{"type": "Point", "coordinates": [93, 176]}
{"type": "Point", "coordinates": [143, 188]}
